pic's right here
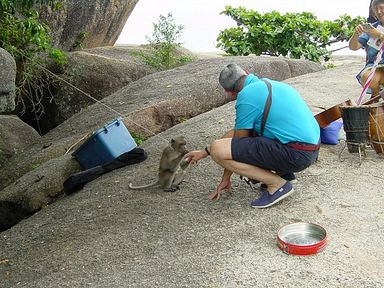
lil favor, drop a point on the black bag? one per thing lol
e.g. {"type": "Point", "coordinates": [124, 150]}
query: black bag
{"type": "Point", "coordinates": [77, 181]}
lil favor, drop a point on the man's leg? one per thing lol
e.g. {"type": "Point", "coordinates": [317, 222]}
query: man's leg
{"type": "Point", "coordinates": [222, 155]}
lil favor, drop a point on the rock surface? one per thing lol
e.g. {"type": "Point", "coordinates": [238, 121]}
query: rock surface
{"type": "Point", "coordinates": [7, 81]}
{"type": "Point", "coordinates": [87, 23]}
{"type": "Point", "coordinates": [150, 105]}
{"type": "Point", "coordinates": [108, 236]}
{"type": "Point", "coordinates": [15, 136]}
{"type": "Point", "coordinates": [97, 72]}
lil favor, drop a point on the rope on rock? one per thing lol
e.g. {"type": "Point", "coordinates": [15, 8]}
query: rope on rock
{"type": "Point", "coordinates": [100, 102]}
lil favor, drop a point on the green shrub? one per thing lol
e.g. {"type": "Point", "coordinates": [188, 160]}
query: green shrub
{"type": "Point", "coordinates": [296, 35]}
{"type": "Point", "coordinates": [163, 45]}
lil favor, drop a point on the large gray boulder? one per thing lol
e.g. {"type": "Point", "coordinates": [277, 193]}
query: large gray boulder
{"type": "Point", "coordinates": [94, 74]}
{"type": "Point", "coordinates": [87, 23]}
{"type": "Point", "coordinates": [7, 81]}
{"type": "Point", "coordinates": [15, 136]}
{"type": "Point", "coordinates": [35, 190]}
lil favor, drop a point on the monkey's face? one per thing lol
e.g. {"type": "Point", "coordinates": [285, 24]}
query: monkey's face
{"type": "Point", "coordinates": [179, 144]}
{"type": "Point", "coordinates": [183, 148]}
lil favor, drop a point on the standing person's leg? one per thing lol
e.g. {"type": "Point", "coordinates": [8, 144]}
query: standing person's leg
{"type": "Point", "coordinates": [376, 81]}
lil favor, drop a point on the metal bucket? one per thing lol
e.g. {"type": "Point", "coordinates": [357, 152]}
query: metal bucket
{"type": "Point", "coordinates": [356, 127]}
{"type": "Point", "coordinates": [302, 238]}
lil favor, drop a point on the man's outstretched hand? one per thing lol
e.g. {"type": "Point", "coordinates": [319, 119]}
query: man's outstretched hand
{"type": "Point", "coordinates": [224, 185]}
{"type": "Point", "coordinates": [194, 156]}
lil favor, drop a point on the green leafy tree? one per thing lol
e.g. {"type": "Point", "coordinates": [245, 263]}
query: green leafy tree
{"type": "Point", "coordinates": [164, 43]}
{"type": "Point", "coordinates": [29, 42]}
{"type": "Point", "coordinates": [294, 35]}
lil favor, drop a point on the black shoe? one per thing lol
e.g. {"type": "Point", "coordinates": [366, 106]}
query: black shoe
{"type": "Point", "coordinates": [290, 177]}
{"type": "Point", "coordinates": [250, 182]}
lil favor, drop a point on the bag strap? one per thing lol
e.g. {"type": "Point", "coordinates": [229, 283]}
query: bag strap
{"type": "Point", "coordinates": [267, 106]}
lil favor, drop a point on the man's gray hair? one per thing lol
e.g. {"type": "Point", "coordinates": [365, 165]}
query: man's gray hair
{"type": "Point", "coordinates": [230, 76]}
{"type": "Point", "coordinates": [377, 2]}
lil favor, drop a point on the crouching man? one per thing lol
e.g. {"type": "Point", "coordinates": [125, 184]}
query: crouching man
{"type": "Point", "coordinates": [287, 136]}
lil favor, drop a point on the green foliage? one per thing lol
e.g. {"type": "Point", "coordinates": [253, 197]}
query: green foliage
{"type": "Point", "coordinates": [80, 40]}
{"type": "Point", "coordinates": [59, 56]}
{"type": "Point", "coordinates": [163, 45]}
{"type": "Point", "coordinates": [294, 35]}
{"type": "Point", "coordinates": [138, 139]}
{"type": "Point", "coordinates": [21, 32]}
{"type": "Point", "coordinates": [329, 65]}
{"type": "Point", "coordinates": [29, 42]}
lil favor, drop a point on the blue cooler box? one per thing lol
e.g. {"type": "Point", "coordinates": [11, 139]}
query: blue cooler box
{"type": "Point", "coordinates": [105, 144]}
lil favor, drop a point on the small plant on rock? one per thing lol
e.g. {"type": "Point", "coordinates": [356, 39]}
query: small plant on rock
{"type": "Point", "coordinates": [163, 45]}
{"type": "Point", "coordinates": [80, 40]}
{"type": "Point", "coordinates": [138, 139]}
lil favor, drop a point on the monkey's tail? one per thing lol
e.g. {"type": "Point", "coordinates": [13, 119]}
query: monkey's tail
{"type": "Point", "coordinates": [153, 184]}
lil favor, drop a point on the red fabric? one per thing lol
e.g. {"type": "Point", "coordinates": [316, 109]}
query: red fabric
{"type": "Point", "coordinates": [303, 147]}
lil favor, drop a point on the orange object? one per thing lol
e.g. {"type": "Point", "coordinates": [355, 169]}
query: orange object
{"type": "Point", "coordinates": [326, 117]}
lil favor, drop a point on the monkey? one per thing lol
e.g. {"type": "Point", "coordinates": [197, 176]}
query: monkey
{"type": "Point", "coordinates": [172, 167]}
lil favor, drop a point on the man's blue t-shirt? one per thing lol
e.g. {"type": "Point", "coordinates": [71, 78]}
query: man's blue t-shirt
{"type": "Point", "coordinates": [289, 118]}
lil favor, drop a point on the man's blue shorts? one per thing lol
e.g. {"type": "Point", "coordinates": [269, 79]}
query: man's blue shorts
{"type": "Point", "coordinates": [271, 154]}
